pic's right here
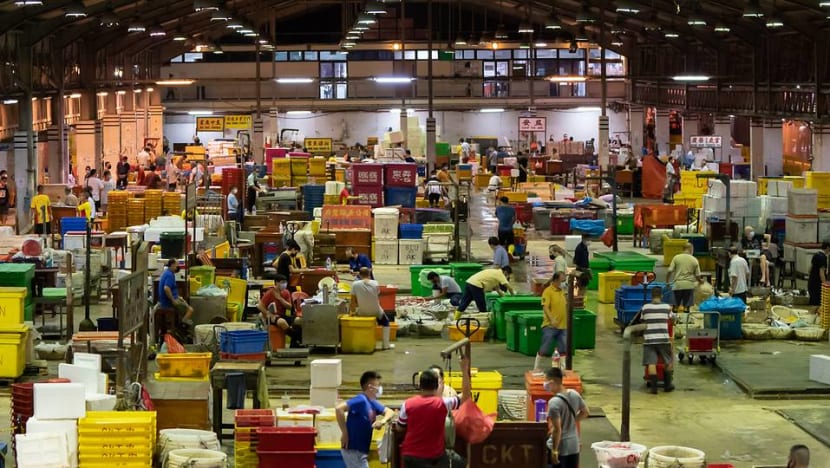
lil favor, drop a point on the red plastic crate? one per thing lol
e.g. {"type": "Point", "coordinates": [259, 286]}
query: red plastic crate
{"type": "Point", "coordinates": [524, 212]}
{"type": "Point", "coordinates": [400, 175]}
{"type": "Point", "coordinates": [560, 226]}
{"type": "Point", "coordinates": [254, 418]}
{"type": "Point", "coordinates": [702, 344]}
{"type": "Point", "coordinates": [367, 175]}
{"type": "Point", "coordinates": [243, 357]}
{"type": "Point", "coordinates": [281, 439]}
{"type": "Point", "coordinates": [368, 195]}
{"type": "Point", "coordinates": [286, 459]}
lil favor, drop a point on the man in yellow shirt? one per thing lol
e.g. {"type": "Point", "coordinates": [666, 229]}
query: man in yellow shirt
{"type": "Point", "coordinates": [41, 212]}
{"type": "Point", "coordinates": [86, 208]}
{"type": "Point", "coordinates": [491, 279]}
{"type": "Point", "coordinates": [685, 270]}
{"type": "Point", "coordinates": [554, 321]}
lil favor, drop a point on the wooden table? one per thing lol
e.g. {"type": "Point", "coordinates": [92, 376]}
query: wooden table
{"type": "Point", "coordinates": [64, 307]}
{"type": "Point", "coordinates": [252, 370]}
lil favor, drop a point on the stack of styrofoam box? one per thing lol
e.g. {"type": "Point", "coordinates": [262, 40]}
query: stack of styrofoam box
{"type": "Point", "coordinates": [328, 431]}
{"type": "Point", "coordinates": [58, 406]}
{"type": "Point", "coordinates": [86, 370]}
{"type": "Point", "coordinates": [801, 237]}
{"type": "Point", "coordinates": [779, 188]}
{"type": "Point", "coordinates": [326, 378]}
{"type": "Point", "coordinates": [823, 227]}
{"type": "Point", "coordinates": [744, 205]}
{"type": "Point", "coordinates": [772, 207]}
{"type": "Point", "coordinates": [385, 236]}
{"type": "Point", "coordinates": [820, 368]}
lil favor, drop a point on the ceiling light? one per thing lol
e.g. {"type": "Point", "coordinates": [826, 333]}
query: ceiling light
{"type": "Point", "coordinates": [398, 111]}
{"type": "Point", "coordinates": [157, 31]}
{"type": "Point", "coordinates": [294, 80]}
{"type": "Point", "coordinates": [136, 26]}
{"type": "Point", "coordinates": [219, 15]}
{"type": "Point", "coordinates": [34, 99]}
{"type": "Point", "coordinates": [587, 109]}
{"type": "Point", "coordinates": [584, 15]}
{"type": "Point", "coordinates": [696, 21]}
{"type": "Point", "coordinates": [200, 112]}
{"type": "Point", "coordinates": [361, 27]}
{"type": "Point", "coordinates": [10, 101]}
{"type": "Point", "coordinates": [567, 79]}
{"type": "Point", "coordinates": [366, 19]}
{"type": "Point", "coordinates": [491, 110]}
{"type": "Point", "coordinates": [176, 82]}
{"type": "Point", "coordinates": [245, 30]}
{"type": "Point", "coordinates": [25, 3]}
{"type": "Point", "coordinates": [553, 23]}
{"type": "Point", "coordinates": [138, 90]}
{"type": "Point", "coordinates": [722, 28]}
{"type": "Point", "coordinates": [375, 8]}
{"type": "Point", "coordinates": [617, 42]}
{"type": "Point", "coordinates": [460, 41]}
{"type": "Point", "coordinates": [774, 23]}
{"type": "Point", "coordinates": [691, 78]}
{"type": "Point", "coordinates": [249, 33]}
{"type": "Point", "coordinates": [540, 44]}
{"type": "Point", "coordinates": [501, 33]}
{"type": "Point", "coordinates": [121, 92]}
{"type": "Point", "coordinates": [628, 8]}
{"type": "Point", "coordinates": [109, 20]}
{"type": "Point", "coordinates": [299, 112]}
{"type": "Point", "coordinates": [150, 90]}
{"type": "Point", "coordinates": [669, 34]}
{"type": "Point", "coordinates": [824, 3]}
{"type": "Point", "coordinates": [102, 94]}
{"type": "Point", "coordinates": [205, 5]}
{"type": "Point", "coordinates": [262, 41]}
{"type": "Point", "coordinates": [179, 37]}
{"type": "Point", "coordinates": [753, 10]}
{"type": "Point", "coordinates": [75, 10]}
{"type": "Point", "coordinates": [524, 45]}
{"type": "Point", "coordinates": [484, 39]}
{"type": "Point", "coordinates": [392, 79]}
{"type": "Point", "coordinates": [353, 36]}
{"type": "Point", "coordinates": [348, 43]}
{"type": "Point", "coordinates": [525, 28]}
{"type": "Point", "coordinates": [218, 50]}
{"type": "Point", "coordinates": [234, 24]}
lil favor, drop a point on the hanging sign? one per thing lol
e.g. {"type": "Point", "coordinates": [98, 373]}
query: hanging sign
{"type": "Point", "coordinates": [533, 124]}
{"type": "Point", "coordinates": [706, 141]}
{"type": "Point", "coordinates": [318, 145]}
{"type": "Point", "coordinates": [238, 122]}
{"type": "Point", "coordinates": [210, 124]}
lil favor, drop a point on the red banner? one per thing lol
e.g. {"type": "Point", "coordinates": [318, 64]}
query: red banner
{"type": "Point", "coordinates": [346, 217]}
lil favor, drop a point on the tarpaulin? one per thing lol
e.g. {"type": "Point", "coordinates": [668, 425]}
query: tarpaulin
{"type": "Point", "coordinates": [592, 227]}
{"type": "Point", "coordinates": [654, 177]}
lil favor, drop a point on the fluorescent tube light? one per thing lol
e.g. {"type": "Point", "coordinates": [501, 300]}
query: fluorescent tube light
{"type": "Point", "coordinates": [300, 112]}
{"type": "Point", "coordinates": [200, 112]}
{"type": "Point", "coordinates": [393, 79]}
{"type": "Point", "coordinates": [175, 82]}
{"type": "Point", "coordinates": [294, 80]}
{"type": "Point", "coordinates": [491, 110]}
{"type": "Point", "coordinates": [691, 78]}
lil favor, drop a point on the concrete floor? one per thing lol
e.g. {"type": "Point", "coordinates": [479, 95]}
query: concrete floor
{"type": "Point", "coordinates": [708, 411]}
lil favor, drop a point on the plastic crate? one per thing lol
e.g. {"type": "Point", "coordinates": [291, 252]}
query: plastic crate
{"type": "Point", "coordinates": [283, 439]}
{"type": "Point", "coordinates": [730, 324]}
{"type": "Point", "coordinates": [530, 333]}
{"type": "Point", "coordinates": [609, 282]}
{"type": "Point", "coordinates": [245, 418]}
{"type": "Point", "coordinates": [636, 292]}
{"type": "Point", "coordinates": [625, 224]}
{"type": "Point", "coordinates": [403, 196]}
{"type": "Point", "coordinates": [244, 357]}
{"type": "Point", "coordinates": [185, 365]}
{"type": "Point", "coordinates": [412, 231]}
{"type": "Point", "coordinates": [244, 341]}
{"type": "Point", "coordinates": [624, 317]}
{"type": "Point", "coordinates": [584, 332]}
{"type": "Point", "coordinates": [286, 459]}
{"type": "Point", "coordinates": [463, 271]}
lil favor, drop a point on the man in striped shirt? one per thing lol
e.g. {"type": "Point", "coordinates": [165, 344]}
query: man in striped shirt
{"type": "Point", "coordinates": [657, 341]}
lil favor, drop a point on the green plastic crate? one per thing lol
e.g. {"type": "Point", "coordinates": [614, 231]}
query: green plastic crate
{"type": "Point", "coordinates": [508, 304]}
{"type": "Point", "coordinates": [584, 332]}
{"type": "Point", "coordinates": [442, 149]}
{"type": "Point", "coordinates": [29, 313]}
{"type": "Point", "coordinates": [462, 271]}
{"type": "Point", "coordinates": [530, 332]}
{"type": "Point", "coordinates": [625, 224]}
{"type": "Point", "coordinates": [18, 275]}
{"type": "Point", "coordinates": [597, 265]}
{"type": "Point", "coordinates": [512, 329]}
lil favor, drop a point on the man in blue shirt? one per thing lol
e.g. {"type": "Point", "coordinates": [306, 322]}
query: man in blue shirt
{"type": "Point", "coordinates": [363, 412]}
{"type": "Point", "coordinates": [358, 261]}
{"type": "Point", "coordinates": [501, 258]}
{"type": "Point", "coordinates": [169, 293]}
{"type": "Point", "coordinates": [506, 215]}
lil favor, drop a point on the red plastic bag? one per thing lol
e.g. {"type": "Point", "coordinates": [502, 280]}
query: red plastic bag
{"type": "Point", "coordinates": [471, 424]}
{"type": "Point", "coordinates": [608, 237]}
{"type": "Point", "coordinates": [173, 345]}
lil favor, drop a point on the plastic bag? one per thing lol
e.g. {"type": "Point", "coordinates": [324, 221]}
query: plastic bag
{"type": "Point", "coordinates": [727, 304]}
{"type": "Point", "coordinates": [608, 237]}
{"type": "Point", "coordinates": [471, 424]}
{"type": "Point", "coordinates": [173, 345]}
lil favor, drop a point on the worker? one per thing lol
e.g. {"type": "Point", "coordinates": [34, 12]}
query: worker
{"type": "Point", "coordinates": [495, 183]}
{"type": "Point", "coordinates": [5, 196]}
{"type": "Point", "coordinates": [12, 187]}
{"type": "Point", "coordinates": [285, 261]}
{"type": "Point", "coordinates": [197, 175]}
{"type": "Point", "coordinates": [582, 262]}
{"type": "Point", "coordinates": [143, 156]}
{"type": "Point", "coordinates": [95, 186]}
{"type": "Point", "coordinates": [365, 414]}
{"type": "Point", "coordinates": [234, 210]}
{"type": "Point", "coordinates": [501, 258]}
{"type": "Point", "coordinates": [408, 158]}
{"type": "Point", "coordinates": [443, 174]}
{"type": "Point", "coordinates": [559, 257]}
{"type": "Point", "coordinates": [365, 302]}
{"type": "Point", "coordinates": [275, 307]}
{"type": "Point", "coordinates": [443, 389]}
{"type": "Point", "coordinates": [750, 241]}
{"type": "Point", "coordinates": [357, 261]}
{"type": "Point", "coordinates": [684, 269]}
{"type": "Point", "coordinates": [433, 190]}
{"type": "Point", "coordinates": [69, 199]}
{"type": "Point", "coordinates": [122, 171]}
{"type": "Point", "coordinates": [491, 279]}
{"type": "Point", "coordinates": [671, 180]}
{"type": "Point", "coordinates": [86, 208]}
{"type": "Point", "coordinates": [445, 287]}
{"type": "Point", "coordinates": [423, 419]}
{"type": "Point", "coordinates": [799, 457]}
{"type": "Point", "coordinates": [109, 186]}
{"type": "Point", "coordinates": [465, 148]}
{"type": "Point", "coordinates": [554, 321]}
{"type": "Point", "coordinates": [168, 293]}
{"type": "Point", "coordinates": [42, 212]}
{"type": "Point", "coordinates": [152, 180]}
{"type": "Point", "coordinates": [253, 189]}
{"type": "Point", "coordinates": [565, 410]}
{"type": "Point", "coordinates": [172, 173]}
{"type": "Point", "coordinates": [506, 215]}
{"type": "Point", "coordinates": [818, 273]}
{"type": "Point", "coordinates": [739, 275]}
{"type": "Point", "coordinates": [657, 341]}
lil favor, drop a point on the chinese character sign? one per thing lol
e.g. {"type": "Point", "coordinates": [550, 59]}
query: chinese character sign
{"type": "Point", "coordinates": [318, 145]}
{"type": "Point", "coordinates": [346, 217]}
{"type": "Point", "coordinates": [705, 141]}
{"type": "Point", "coordinates": [238, 122]}
{"type": "Point", "coordinates": [533, 124]}
{"type": "Point", "coordinates": [210, 124]}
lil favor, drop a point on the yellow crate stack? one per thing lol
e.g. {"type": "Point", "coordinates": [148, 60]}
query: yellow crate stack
{"type": "Point", "coordinates": [298, 181]}
{"type": "Point", "coordinates": [116, 438]}
{"type": "Point", "coordinates": [171, 203]}
{"type": "Point", "coordinates": [671, 248]}
{"type": "Point", "coordinates": [152, 204]}
{"type": "Point", "coordinates": [819, 181]}
{"type": "Point", "coordinates": [692, 189]}
{"type": "Point", "coordinates": [299, 166]}
{"type": "Point", "coordinates": [763, 182]}
{"type": "Point", "coordinates": [135, 212]}
{"type": "Point", "coordinates": [317, 167]}
{"type": "Point", "coordinates": [798, 181]}
{"type": "Point", "coordinates": [281, 172]}
{"type": "Point", "coordinates": [117, 210]}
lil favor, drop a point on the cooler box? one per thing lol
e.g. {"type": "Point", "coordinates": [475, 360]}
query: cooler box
{"type": "Point", "coordinates": [13, 340]}
{"type": "Point", "coordinates": [506, 304]}
{"type": "Point", "coordinates": [357, 335]}
{"type": "Point", "coordinates": [597, 265]}
{"type": "Point", "coordinates": [730, 324]}
{"type": "Point", "coordinates": [530, 333]}
{"type": "Point", "coordinates": [462, 271]}
{"type": "Point", "coordinates": [534, 385]}
{"type": "Point", "coordinates": [609, 282]}
{"type": "Point", "coordinates": [12, 305]}
{"type": "Point", "coordinates": [414, 278]}
{"type": "Point", "coordinates": [486, 386]}
{"type": "Point", "coordinates": [584, 332]}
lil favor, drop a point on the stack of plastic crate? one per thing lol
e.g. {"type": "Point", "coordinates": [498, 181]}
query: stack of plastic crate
{"type": "Point", "coordinates": [824, 309]}
{"type": "Point", "coordinates": [117, 210]}
{"type": "Point", "coordinates": [117, 438]}
{"type": "Point", "coordinates": [245, 440]}
{"type": "Point", "coordinates": [171, 203]}
{"type": "Point", "coordinates": [629, 300]}
{"type": "Point", "coordinates": [153, 203]}
{"type": "Point", "coordinates": [135, 212]}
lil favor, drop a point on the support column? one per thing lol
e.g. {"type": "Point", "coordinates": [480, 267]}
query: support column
{"type": "Point", "coordinates": [55, 150]}
{"type": "Point", "coordinates": [774, 147]}
{"type": "Point", "coordinates": [99, 146]}
{"type": "Point", "coordinates": [756, 148]}
{"type": "Point", "coordinates": [723, 129]}
{"type": "Point", "coordinates": [23, 172]}
{"type": "Point", "coordinates": [155, 123]}
{"type": "Point", "coordinates": [84, 147]}
{"type": "Point", "coordinates": [430, 149]}
{"type": "Point", "coordinates": [271, 127]}
{"type": "Point", "coordinates": [821, 148]}
{"type": "Point", "coordinates": [691, 127]}
{"type": "Point", "coordinates": [258, 140]}
{"type": "Point", "coordinates": [636, 123]}
{"type": "Point", "coordinates": [602, 143]}
{"type": "Point", "coordinates": [111, 132]}
{"type": "Point", "coordinates": [405, 128]}
{"type": "Point", "coordinates": [661, 131]}
{"type": "Point", "coordinates": [129, 141]}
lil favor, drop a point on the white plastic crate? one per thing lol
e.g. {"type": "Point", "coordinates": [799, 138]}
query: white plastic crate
{"type": "Point", "coordinates": [802, 202]}
{"type": "Point", "coordinates": [411, 251]}
{"type": "Point", "coordinates": [386, 223]}
{"type": "Point", "coordinates": [326, 373]}
{"type": "Point", "coordinates": [802, 230]}
{"type": "Point", "coordinates": [386, 252]}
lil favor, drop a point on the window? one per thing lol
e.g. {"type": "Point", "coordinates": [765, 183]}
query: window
{"type": "Point", "coordinates": [328, 55]}
{"type": "Point", "coordinates": [500, 69]}
{"type": "Point", "coordinates": [280, 56]}
{"type": "Point", "coordinates": [295, 56]}
{"type": "Point", "coordinates": [611, 68]}
{"type": "Point", "coordinates": [502, 54]}
{"type": "Point", "coordinates": [520, 53]}
{"type": "Point", "coordinates": [423, 54]}
{"type": "Point", "coordinates": [545, 53]}
{"type": "Point", "coordinates": [191, 57]}
{"type": "Point", "coordinates": [484, 55]}
{"type": "Point", "coordinates": [469, 55]}
{"type": "Point", "coordinates": [567, 89]}
{"type": "Point", "coordinates": [310, 56]}
{"type": "Point", "coordinates": [565, 53]}
{"type": "Point", "coordinates": [333, 77]}
{"type": "Point", "coordinates": [459, 55]}
{"type": "Point", "coordinates": [519, 69]}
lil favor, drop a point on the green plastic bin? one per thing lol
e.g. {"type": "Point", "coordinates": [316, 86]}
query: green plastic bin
{"type": "Point", "coordinates": [172, 244]}
{"type": "Point", "coordinates": [205, 274]}
{"type": "Point", "coordinates": [584, 332]}
{"type": "Point", "coordinates": [530, 332]}
{"type": "Point", "coordinates": [462, 271]}
{"type": "Point", "coordinates": [508, 304]}
{"type": "Point", "coordinates": [627, 261]}
{"type": "Point", "coordinates": [18, 275]}
{"type": "Point", "coordinates": [511, 325]}
{"type": "Point", "coordinates": [597, 265]}
{"type": "Point", "coordinates": [414, 276]}
{"type": "Point", "coordinates": [625, 224]}
{"type": "Point", "coordinates": [29, 313]}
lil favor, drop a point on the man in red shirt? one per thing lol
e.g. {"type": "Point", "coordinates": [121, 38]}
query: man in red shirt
{"type": "Point", "coordinates": [423, 417]}
{"type": "Point", "coordinates": [274, 307]}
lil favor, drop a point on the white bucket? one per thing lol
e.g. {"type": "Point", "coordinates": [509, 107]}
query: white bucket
{"type": "Point", "coordinates": [673, 456]}
{"type": "Point", "coordinates": [618, 454]}
{"type": "Point", "coordinates": [196, 458]}
{"type": "Point", "coordinates": [177, 439]}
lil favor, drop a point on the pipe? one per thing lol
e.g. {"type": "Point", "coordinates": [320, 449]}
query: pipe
{"type": "Point", "coordinates": [625, 433]}
{"type": "Point", "coordinates": [447, 352]}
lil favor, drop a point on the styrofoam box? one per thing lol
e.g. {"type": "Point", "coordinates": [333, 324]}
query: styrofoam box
{"type": "Point", "coordinates": [31, 451]}
{"type": "Point", "coordinates": [60, 400]}
{"type": "Point", "coordinates": [386, 252]}
{"type": "Point", "coordinates": [411, 251]}
{"type": "Point", "coordinates": [801, 230]}
{"type": "Point", "coordinates": [326, 373]}
{"type": "Point", "coordinates": [743, 188]}
{"type": "Point", "coordinates": [328, 431]}
{"type": "Point", "coordinates": [571, 242]}
{"type": "Point", "coordinates": [68, 427]}
{"type": "Point", "coordinates": [820, 368]}
{"type": "Point", "coordinates": [288, 419]}
{"type": "Point", "coordinates": [325, 397]}
{"type": "Point", "coordinates": [386, 223]}
{"type": "Point", "coordinates": [90, 360]}
{"type": "Point", "coordinates": [804, 259]}
{"type": "Point", "coordinates": [789, 252]}
{"type": "Point", "coordinates": [87, 376]}
{"type": "Point", "coordinates": [824, 227]}
{"type": "Point", "coordinates": [775, 205]}
{"type": "Point", "coordinates": [716, 189]}
{"type": "Point", "coordinates": [754, 208]}
{"type": "Point", "coordinates": [779, 188]}
{"type": "Point", "coordinates": [802, 202]}
{"type": "Point", "coordinates": [738, 206]}
{"type": "Point", "coordinates": [101, 402]}
{"type": "Point", "coordinates": [711, 203]}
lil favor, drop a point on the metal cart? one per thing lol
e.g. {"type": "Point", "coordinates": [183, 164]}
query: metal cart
{"type": "Point", "coordinates": [702, 342]}
{"type": "Point", "coordinates": [438, 246]}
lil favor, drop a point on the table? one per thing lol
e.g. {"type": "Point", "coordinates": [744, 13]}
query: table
{"type": "Point", "coordinates": [118, 242]}
{"type": "Point", "coordinates": [254, 371]}
{"type": "Point", "coordinates": [63, 306]}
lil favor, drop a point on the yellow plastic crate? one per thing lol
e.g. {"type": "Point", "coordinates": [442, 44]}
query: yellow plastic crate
{"type": "Point", "coordinates": [483, 180]}
{"type": "Point", "coordinates": [513, 197]}
{"type": "Point", "coordinates": [340, 175]}
{"type": "Point", "coordinates": [124, 461]}
{"type": "Point", "coordinates": [331, 199]}
{"type": "Point", "coordinates": [299, 180]}
{"type": "Point", "coordinates": [94, 439]}
{"type": "Point", "coordinates": [707, 263]}
{"type": "Point", "coordinates": [672, 247]}
{"type": "Point", "coordinates": [299, 166]}
{"type": "Point", "coordinates": [222, 250]}
{"type": "Point", "coordinates": [535, 178]}
{"type": "Point", "coordinates": [798, 181]}
{"type": "Point", "coordinates": [421, 203]}
{"type": "Point", "coordinates": [194, 366]}
{"type": "Point", "coordinates": [357, 335]}
{"type": "Point", "coordinates": [117, 449]}
{"type": "Point", "coordinates": [609, 282]}
{"type": "Point", "coordinates": [485, 384]}
{"type": "Point", "coordinates": [281, 167]}
{"type": "Point", "coordinates": [280, 181]}
{"type": "Point", "coordinates": [13, 340]}
{"type": "Point", "coordinates": [823, 201]}
{"type": "Point", "coordinates": [12, 305]}
{"type": "Point", "coordinates": [237, 288]}
{"type": "Point", "coordinates": [820, 181]}
{"type": "Point", "coordinates": [317, 167]}
{"type": "Point", "coordinates": [763, 182]}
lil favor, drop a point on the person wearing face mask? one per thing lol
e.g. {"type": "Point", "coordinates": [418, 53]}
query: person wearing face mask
{"type": "Point", "coordinates": [285, 262]}
{"type": "Point", "coordinates": [274, 308]}
{"type": "Point", "coordinates": [554, 321]}
{"type": "Point", "coordinates": [491, 279]}
{"type": "Point", "coordinates": [799, 457]}
{"type": "Point", "coordinates": [582, 261]}
{"type": "Point", "coordinates": [565, 410]}
{"type": "Point", "coordinates": [750, 241]}
{"type": "Point", "coordinates": [560, 259]}
{"type": "Point", "coordinates": [233, 205]}
{"type": "Point", "coordinates": [365, 414]}
{"type": "Point", "coordinates": [365, 302]}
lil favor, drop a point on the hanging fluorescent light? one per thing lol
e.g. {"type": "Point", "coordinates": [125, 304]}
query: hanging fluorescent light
{"type": "Point", "coordinates": [179, 37]}
{"type": "Point", "coordinates": [824, 4]}
{"type": "Point", "coordinates": [696, 21]}
{"type": "Point", "coordinates": [245, 30]}
{"type": "Point", "coordinates": [567, 79]}
{"type": "Point", "coordinates": [102, 94]}
{"type": "Point", "coordinates": [491, 110]}
{"type": "Point", "coordinates": [157, 31]}
{"type": "Point", "coordinates": [399, 111]}
{"type": "Point", "coordinates": [774, 23]}
{"type": "Point", "coordinates": [753, 10]}
{"type": "Point", "coordinates": [219, 15]}
{"type": "Point", "coordinates": [587, 109]}
{"type": "Point", "coordinates": [200, 112]}
{"type": "Point", "coordinates": [121, 92]}
{"type": "Point", "coordinates": [294, 80]}
{"type": "Point", "coordinates": [524, 45]}
{"type": "Point", "coordinates": [366, 19]}
{"type": "Point", "coordinates": [361, 27]}
{"type": "Point", "coordinates": [234, 24]}
{"type": "Point", "coordinates": [25, 3]}
{"type": "Point", "coordinates": [375, 8]}
{"type": "Point", "coordinates": [584, 16]}
{"type": "Point", "coordinates": [9, 101]}
{"type": "Point", "coordinates": [149, 89]}
{"type": "Point", "coordinates": [691, 78]}
{"type": "Point", "coordinates": [176, 82]}
{"type": "Point", "coordinates": [540, 43]}
{"type": "Point", "coordinates": [249, 34]}
{"type": "Point", "coordinates": [525, 28]}
{"type": "Point", "coordinates": [109, 20]}
{"type": "Point", "coordinates": [137, 90]}
{"type": "Point", "coordinates": [627, 8]}
{"type": "Point", "coordinates": [75, 10]}
{"type": "Point", "coordinates": [299, 112]}
{"type": "Point", "coordinates": [348, 43]}
{"type": "Point", "coordinates": [205, 5]}
{"type": "Point", "coordinates": [669, 34]}
{"type": "Point", "coordinates": [722, 28]}
{"type": "Point", "coordinates": [501, 33]}
{"type": "Point", "coordinates": [136, 26]}
{"type": "Point", "coordinates": [460, 41]}
{"type": "Point", "coordinates": [553, 23]}
{"type": "Point", "coordinates": [617, 42]}
{"type": "Point", "coordinates": [218, 50]}
{"type": "Point", "coordinates": [393, 79]}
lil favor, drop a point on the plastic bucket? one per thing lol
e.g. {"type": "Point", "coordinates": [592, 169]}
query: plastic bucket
{"type": "Point", "coordinates": [172, 244]}
{"type": "Point", "coordinates": [196, 458]}
{"type": "Point", "coordinates": [673, 456]}
{"type": "Point", "coordinates": [619, 454]}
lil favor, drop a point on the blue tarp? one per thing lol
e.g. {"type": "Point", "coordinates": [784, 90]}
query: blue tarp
{"type": "Point", "coordinates": [593, 227]}
{"type": "Point", "coordinates": [728, 305]}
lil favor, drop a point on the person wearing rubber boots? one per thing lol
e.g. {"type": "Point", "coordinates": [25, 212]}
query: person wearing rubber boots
{"type": "Point", "coordinates": [657, 341]}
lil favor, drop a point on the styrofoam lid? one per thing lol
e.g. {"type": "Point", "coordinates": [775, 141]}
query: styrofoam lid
{"type": "Point", "coordinates": [385, 211]}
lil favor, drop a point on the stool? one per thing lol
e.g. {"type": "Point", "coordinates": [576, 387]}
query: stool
{"type": "Point", "coordinates": [787, 271]}
{"type": "Point", "coordinates": [55, 299]}
{"type": "Point", "coordinates": [252, 371]}
{"type": "Point", "coordinates": [164, 320]}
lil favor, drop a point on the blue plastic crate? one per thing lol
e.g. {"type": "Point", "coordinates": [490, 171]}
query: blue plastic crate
{"type": "Point", "coordinates": [625, 317]}
{"type": "Point", "coordinates": [329, 459]}
{"type": "Point", "coordinates": [72, 224]}
{"type": "Point", "coordinates": [629, 304]}
{"type": "Point", "coordinates": [244, 341]}
{"type": "Point", "coordinates": [636, 292]}
{"type": "Point", "coordinates": [404, 196]}
{"type": "Point", "coordinates": [412, 231]}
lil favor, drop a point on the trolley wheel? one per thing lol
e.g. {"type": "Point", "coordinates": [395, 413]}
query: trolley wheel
{"type": "Point", "coordinates": [703, 359]}
{"type": "Point", "coordinates": [712, 359]}
{"type": "Point", "coordinates": [681, 355]}
{"type": "Point", "coordinates": [691, 359]}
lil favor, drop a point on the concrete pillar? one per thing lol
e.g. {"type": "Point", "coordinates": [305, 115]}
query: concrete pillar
{"type": "Point", "coordinates": [129, 140]}
{"type": "Point", "coordinates": [430, 149]}
{"type": "Point", "coordinates": [404, 127]}
{"type": "Point", "coordinates": [756, 147]}
{"type": "Point", "coordinates": [258, 139]}
{"type": "Point", "coordinates": [661, 131]}
{"type": "Point", "coordinates": [821, 148]}
{"type": "Point", "coordinates": [23, 172]}
{"type": "Point", "coordinates": [111, 133]}
{"type": "Point", "coordinates": [55, 154]}
{"type": "Point", "coordinates": [271, 127]}
{"type": "Point", "coordinates": [723, 129]}
{"type": "Point", "coordinates": [602, 142]}
{"type": "Point", "coordinates": [99, 145]}
{"type": "Point", "coordinates": [691, 127]}
{"type": "Point", "coordinates": [636, 123]}
{"type": "Point", "coordinates": [155, 123]}
{"type": "Point", "coordinates": [85, 148]}
{"type": "Point", "coordinates": [774, 147]}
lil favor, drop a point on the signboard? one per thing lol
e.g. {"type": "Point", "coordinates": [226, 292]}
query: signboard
{"type": "Point", "coordinates": [346, 217]}
{"type": "Point", "coordinates": [133, 302]}
{"type": "Point", "coordinates": [706, 141]}
{"type": "Point", "coordinates": [210, 124]}
{"type": "Point", "coordinates": [533, 124]}
{"type": "Point", "coordinates": [238, 122]}
{"type": "Point", "coordinates": [190, 197]}
{"type": "Point", "coordinates": [318, 145]}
